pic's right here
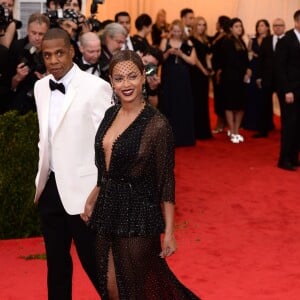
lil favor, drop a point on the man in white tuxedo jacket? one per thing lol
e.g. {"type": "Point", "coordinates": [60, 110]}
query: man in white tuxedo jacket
{"type": "Point", "coordinates": [70, 106]}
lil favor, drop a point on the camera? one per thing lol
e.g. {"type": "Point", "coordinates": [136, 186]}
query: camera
{"type": "Point", "coordinates": [95, 25]}
{"type": "Point", "coordinates": [5, 18]}
{"type": "Point", "coordinates": [60, 14]}
{"type": "Point", "coordinates": [94, 6]}
{"type": "Point", "coordinates": [150, 69]}
{"type": "Point", "coordinates": [32, 59]}
{"type": "Point", "coordinates": [54, 16]}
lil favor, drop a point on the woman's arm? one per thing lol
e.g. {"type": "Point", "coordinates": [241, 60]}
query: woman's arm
{"type": "Point", "coordinates": [169, 245]}
{"type": "Point", "coordinates": [190, 59]}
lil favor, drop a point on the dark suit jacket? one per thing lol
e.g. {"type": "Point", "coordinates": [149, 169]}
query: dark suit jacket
{"type": "Point", "coordinates": [266, 62]}
{"type": "Point", "coordinates": [287, 57]}
{"type": "Point", "coordinates": [22, 97]}
{"type": "Point", "coordinates": [80, 64]}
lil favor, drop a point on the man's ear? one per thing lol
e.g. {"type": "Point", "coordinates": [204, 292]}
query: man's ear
{"type": "Point", "coordinates": [72, 51]}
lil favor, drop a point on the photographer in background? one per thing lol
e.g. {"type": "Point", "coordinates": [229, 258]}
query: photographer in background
{"type": "Point", "coordinates": [73, 4]}
{"type": "Point", "coordinates": [8, 25]}
{"type": "Point", "coordinates": [54, 4]}
{"type": "Point", "coordinates": [152, 59]}
{"type": "Point", "coordinates": [7, 32]}
{"type": "Point", "coordinates": [26, 63]}
{"type": "Point", "coordinates": [4, 84]}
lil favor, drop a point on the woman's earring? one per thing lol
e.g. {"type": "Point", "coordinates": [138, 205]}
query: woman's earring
{"type": "Point", "coordinates": [144, 92]}
{"type": "Point", "coordinates": [115, 99]}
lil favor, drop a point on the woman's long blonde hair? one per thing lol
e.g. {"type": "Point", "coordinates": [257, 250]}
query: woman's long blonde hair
{"type": "Point", "coordinates": [180, 25]}
{"type": "Point", "coordinates": [194, 29]}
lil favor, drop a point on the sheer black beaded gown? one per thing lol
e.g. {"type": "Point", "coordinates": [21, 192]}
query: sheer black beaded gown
{"type": "Point", "coordinates": [127, 216]}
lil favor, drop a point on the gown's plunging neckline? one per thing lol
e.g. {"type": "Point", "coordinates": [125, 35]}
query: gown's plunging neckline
{"type": "Point", "coordinates": [108, 163]}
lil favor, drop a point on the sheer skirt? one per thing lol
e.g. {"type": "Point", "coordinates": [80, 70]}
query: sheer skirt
{"type": "Point", "coordinates": [131, 269]}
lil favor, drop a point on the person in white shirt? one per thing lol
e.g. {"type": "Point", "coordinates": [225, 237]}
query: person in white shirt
{"type": "Point", "coordinates": [70, 106]}
{"type": "Point", "coordinates": [187, 18]}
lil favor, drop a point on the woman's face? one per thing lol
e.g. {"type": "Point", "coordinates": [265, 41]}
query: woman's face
{"type": "Point", "coordinates": [176, 31]}
{"type": "Point", "coordinates": [262, 28]}
{"type": "Point", "coordinates": [127, 82]}
{"type": "Point", "coordinates": [201, 27]}
{"type": "Point", "coordinates": [161, 18]}
{"type": "Point", "coordinates": [237, 29]}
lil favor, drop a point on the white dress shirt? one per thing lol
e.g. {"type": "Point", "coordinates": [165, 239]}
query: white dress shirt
{"type": "Point", "coordinates": [90, 70]}
{"type": "Point", "coordinates": [297, 34]}
{"type": "Point", "coordinates": [275, 40]}
{"type": "Point", "coordinates": [128, 44]}
{"type": "Point", "coordinates": [55, 107]}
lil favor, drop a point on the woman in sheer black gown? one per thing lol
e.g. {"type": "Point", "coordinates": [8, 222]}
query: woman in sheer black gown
{"type": "Point", "coordinates": [177, 96]}
{"type": "Point", "coordinates": [133, 202]}
{"type": "Point", "coordinates": [200, 79]}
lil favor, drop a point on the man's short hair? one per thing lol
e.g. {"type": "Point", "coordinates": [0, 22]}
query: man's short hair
{"type": "Point", "coordinates": [297, 15]}
{"type": "Point", "coordinates": [142, 20]}
{"type": "Point", "coordinates": [39, 18]}
{"type": "Point", "coordinates": [156, 53]}
{"type": "Point", "coordinates": [185, 11]}
{"type": "Point", "coordinates": [87, 37]}
{"type": "Point", "coordinates": [112, 29]}
{"type": "Point", "coordinates": [121, 14]}
{"type": "Point", "coordinates": [57, 33]}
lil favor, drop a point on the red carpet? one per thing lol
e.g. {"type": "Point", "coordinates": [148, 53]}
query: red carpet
{"type": "Point", "coordinates": [238, 228]}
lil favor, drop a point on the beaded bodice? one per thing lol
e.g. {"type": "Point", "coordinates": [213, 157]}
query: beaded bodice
{"type": "Point", "coordinates": [140, 175]}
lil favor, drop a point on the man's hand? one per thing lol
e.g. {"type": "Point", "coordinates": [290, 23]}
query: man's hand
{"type": "Point", "coordinates": [153, 81]}
{"type": "Point", "coordinates": [289, 98]}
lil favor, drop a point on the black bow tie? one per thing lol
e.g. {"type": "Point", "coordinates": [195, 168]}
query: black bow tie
{"type": "Point", "coordinates": [57, 86]}
{"type": "Point", "coordinates": [85, 67]}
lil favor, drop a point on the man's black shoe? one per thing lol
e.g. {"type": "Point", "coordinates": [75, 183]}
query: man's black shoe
{"type": "Point", "coordinates": [287, 166]}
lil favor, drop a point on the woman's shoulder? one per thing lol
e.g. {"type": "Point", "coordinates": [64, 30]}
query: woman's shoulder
{"type": "Point", "coordinates": [112, 110]}
{"type": "Point", "coordinates": [158, 119]}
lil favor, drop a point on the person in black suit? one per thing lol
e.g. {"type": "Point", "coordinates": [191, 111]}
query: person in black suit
{"type": "Point", "coordinates": [287, 57]}
{"type": "Point", "coordinates": [90, 48]}
{"type": "Point", "coordinates": [26, 64]}
{"type": "Point", "coordinates": [112, 39]}
{"type": "Point", "coordinates": [266, 77]}
{"type": "Point", "coordinates": [4, 82]}
{"type": "Point", "coordinates": [123, 18]}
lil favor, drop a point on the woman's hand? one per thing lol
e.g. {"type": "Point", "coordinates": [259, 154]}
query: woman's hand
{"type": "Point", "coordinates": [169, 246]}
{"type": "Point", "coordinates": [89, 204]}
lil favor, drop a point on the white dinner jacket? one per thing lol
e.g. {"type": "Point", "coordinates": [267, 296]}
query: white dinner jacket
{"type": "Point", "coordinates": [73, 156]}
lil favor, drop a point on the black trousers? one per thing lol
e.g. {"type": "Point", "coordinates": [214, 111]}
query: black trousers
{"type": "Point", "coordinates": [265, 120]}
{"type": "Point", "coordinates": [59, 229]}
{"type": "Point", "coordinates": [290, 129]}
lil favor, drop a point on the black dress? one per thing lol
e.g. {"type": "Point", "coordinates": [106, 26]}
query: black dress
{"type": "Point", "coordinates": [177, 97]}
{"type": "Point", "coordinates": [127, 215]}
{"type": "Point", "coordinates": [200, 93]}
{"type": "Point", "coordinates": [255, 95]}
{"type": "Point", "coordinates": [234, 63]}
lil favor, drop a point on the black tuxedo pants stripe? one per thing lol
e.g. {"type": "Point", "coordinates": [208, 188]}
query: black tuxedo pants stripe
{"type": "Point", "coordinates": [290, 129]}
{"type": "Point", "coordinates": [59, 229]}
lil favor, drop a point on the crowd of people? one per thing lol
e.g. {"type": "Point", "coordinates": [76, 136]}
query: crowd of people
{"type": "Point", "coordinates": [150, 93]}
